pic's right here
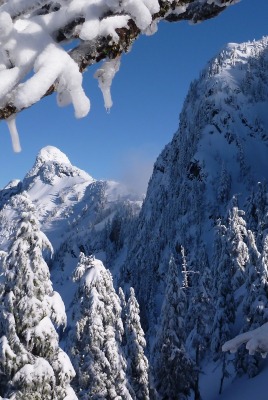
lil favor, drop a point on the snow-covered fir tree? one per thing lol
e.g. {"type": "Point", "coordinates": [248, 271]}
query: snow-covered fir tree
{"type": "Point", "coordinates": [199, 317]}
{"type": "Point", "coordinates": [223, 298]}
{"type": "Point", "coordinates": [256, 211]}
{"type": "Point", "coordinates": [223, 191]}
{"type": "Point", "coordinates": [138, 366]}
{"type": "Point", "coordinates": [236, 235]}
{"type": "Point", "coordinates": [255, 305]}
{"type": "Point", "coordinates": [174, 371]}
{"type": "Point", "coordinates": [95, 342]}
{"type": "Point", "coordinates": [32, 364]}
{"type": "Point", "coordinates": [223, 295]}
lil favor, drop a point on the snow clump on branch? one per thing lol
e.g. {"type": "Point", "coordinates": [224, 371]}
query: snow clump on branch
{"type": "Point", "coordinates": [31, 49]}
{"type": "Point", "coordinates": [255, 340]}
{"type": "Point", "coordinates": [28, 45]}
{"type": "Point", "coordinates": [34, 61]}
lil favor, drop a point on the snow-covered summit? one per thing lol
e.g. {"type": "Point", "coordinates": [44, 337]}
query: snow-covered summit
{"type": "Point", "coordinates": [51, 164]}
{"type": "Point", "coordinates": [52, 153]}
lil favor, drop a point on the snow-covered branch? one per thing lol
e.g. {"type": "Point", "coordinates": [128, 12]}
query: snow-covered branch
{"type": "Point", "coordinates": [256, 341]}
{"type": "Point", "coordinates": [33, 34]}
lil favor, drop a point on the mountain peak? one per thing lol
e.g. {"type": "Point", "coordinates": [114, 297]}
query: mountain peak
{"type": "Point", "coordinates": [52, 154]}
{"type": "Point", "coordinates": [51, 164]}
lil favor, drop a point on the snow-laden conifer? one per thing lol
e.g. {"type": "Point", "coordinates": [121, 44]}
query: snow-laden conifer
{"type": "Point", "coordinates": [223, 294]}
{"type": "Point", "coordinates": [32, 364]}
{"type": "Point", "coordinates": [174, 371]}
{"type": "Point", "coordinates": [95, 342]}
{"type": "Point", "coordinates": [199, 317]}
{"type": "Point", "coordinates": [224, 311]}
{"type": "Point", "coordinates": [256, 212]}
{"type": "Point", "coordinates": [224, 186]}
{"type": "Point", "coordinates": [138, 366]}
{"type": "Point", "coordinates": [255, 304]}
{"type": "Point", "coordinates": [236, 237]}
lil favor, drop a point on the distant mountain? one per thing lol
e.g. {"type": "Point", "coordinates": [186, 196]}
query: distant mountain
{"type": "Point", "coordinates": [61, 192]}
{"type": "Point", "coordinates": [72, 207]}
{"type": "Point", "coordinates": [196, 248]}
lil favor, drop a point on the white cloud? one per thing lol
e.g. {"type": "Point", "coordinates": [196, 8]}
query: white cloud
{"type": "Point", "coordinates": [136, 169]}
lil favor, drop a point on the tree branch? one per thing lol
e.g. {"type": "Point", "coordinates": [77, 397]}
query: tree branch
{"type": "Point", "coordinates": [91, 52]}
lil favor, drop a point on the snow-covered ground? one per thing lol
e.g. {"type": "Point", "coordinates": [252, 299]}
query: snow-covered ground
{"type": "Point", "coordinates": [234, 388]}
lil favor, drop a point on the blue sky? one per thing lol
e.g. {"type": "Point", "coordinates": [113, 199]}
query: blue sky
{"type": "Point", "coordinates": [148, 94]}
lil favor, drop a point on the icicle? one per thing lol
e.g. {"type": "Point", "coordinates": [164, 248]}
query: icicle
{"type": "Point", "coordinates": [105, 76]}
{"type": "Point", "coordinates": [11, 123]}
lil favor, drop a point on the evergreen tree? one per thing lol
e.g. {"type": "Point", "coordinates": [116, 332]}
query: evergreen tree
{"type": "Point", "coordinates": [223, 293]}
{"type": "Point", "coordinates": [223, 299]}
{"type": "Point", "coordinates": [199, 316]}
{"type": "Point", "coordinates": [258, 213]}
{"type": "Point", "coordinates": [123, 304]}
{"type": "Point", "coordinates": [237, 247]}
{"type": "Point", "coordinates": [96, 340]}
{"type": "Point", "coordinates": [135, 344]}
{"type": "Point", "coordinates": [255, 305]}
{"type": "Point", "coordinates": [256, 210]}
{"type": "Point", "coordinates": [33, 366]}
{"type": "Point", "coordinates": [224, 185]}
{"type": "Point", "coordinates": [174, 371]}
